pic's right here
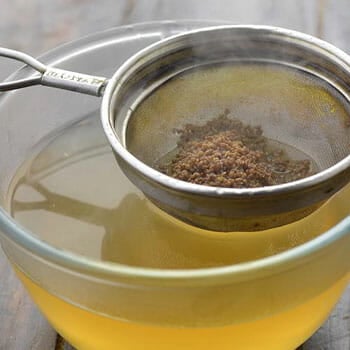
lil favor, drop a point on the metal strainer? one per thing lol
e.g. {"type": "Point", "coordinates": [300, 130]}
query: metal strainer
{"type": "Point", "coordinates": [294, 86]}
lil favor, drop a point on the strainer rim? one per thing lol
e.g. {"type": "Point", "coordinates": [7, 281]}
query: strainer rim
{"type": "Point", "coordinates": [211, 191]}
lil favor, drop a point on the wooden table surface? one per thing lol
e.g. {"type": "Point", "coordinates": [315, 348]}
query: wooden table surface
{"type": "Point", "coordinates": [38, 25]}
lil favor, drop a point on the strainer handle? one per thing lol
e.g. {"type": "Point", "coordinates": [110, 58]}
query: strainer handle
{"type": "Point", "coordinates": [54, 77]}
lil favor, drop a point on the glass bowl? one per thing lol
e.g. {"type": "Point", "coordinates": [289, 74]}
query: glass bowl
{"type": "Point", "coordinates": [279, 287]}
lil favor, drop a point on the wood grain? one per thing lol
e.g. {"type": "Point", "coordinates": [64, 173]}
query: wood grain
{"type": "Point", "coordinates": [335, 333]}
{"type": "Point", "coordinates": [38, 25]}
{"type": "Point", "coordinates": [50, 23]}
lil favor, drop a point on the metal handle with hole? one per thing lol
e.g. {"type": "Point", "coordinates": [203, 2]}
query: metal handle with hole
{"type": "Point", "coordinates": [54, 77]}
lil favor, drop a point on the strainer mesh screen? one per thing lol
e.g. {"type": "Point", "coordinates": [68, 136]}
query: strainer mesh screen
{"type": "Point", "coordinates": [293, 107]}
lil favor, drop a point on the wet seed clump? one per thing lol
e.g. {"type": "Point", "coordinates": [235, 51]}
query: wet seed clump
{"type": "Point", "coordinates": [227, 153]}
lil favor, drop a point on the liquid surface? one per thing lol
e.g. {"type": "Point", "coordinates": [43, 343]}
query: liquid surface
{"type": "Point", "coordinates": [73, 195]}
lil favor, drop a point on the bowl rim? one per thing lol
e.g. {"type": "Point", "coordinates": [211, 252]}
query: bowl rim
{"type": "Point", "coordinates": [28, 241]}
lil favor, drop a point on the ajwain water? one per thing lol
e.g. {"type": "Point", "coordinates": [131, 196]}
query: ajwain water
{"type": "Point", "coordinates": [73, 195]}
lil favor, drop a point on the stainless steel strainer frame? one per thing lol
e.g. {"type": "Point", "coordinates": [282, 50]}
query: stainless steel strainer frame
{"type": "Point", "coordinates": [213, 208]}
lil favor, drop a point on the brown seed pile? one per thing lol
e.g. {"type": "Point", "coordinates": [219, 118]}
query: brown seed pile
{"type": "Point", "coordinates": [226, 153]}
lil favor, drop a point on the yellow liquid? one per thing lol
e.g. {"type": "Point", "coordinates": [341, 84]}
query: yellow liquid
{"type": "Point", "coordinates": [89, 331]}
{"type": "Point", "coordinates": [74, 187]}
{"type": "Point", "coordinates": [73, 195]}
